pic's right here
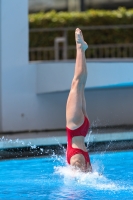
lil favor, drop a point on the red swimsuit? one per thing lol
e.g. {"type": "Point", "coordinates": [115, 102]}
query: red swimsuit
{"type": "Point", "coordinates": [81, 131]}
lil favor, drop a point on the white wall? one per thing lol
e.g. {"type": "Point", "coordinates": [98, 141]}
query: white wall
{"type": "Point", "coordinates": [14, 55]}
{"type": "Point", "coordinates": [57, 76]}
{"type": "Point", "coordinates": [24, 109]}
{"type": "Point", "coordinates": [28, 98]}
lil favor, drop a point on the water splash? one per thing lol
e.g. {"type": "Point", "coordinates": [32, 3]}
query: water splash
{"type": "Point", "coordinates": [33, 146]}
{"type": "Point", "coordinates": [58, 158]}
{"type": "Point", "coordinates": [88, 138]}
{"type": "Point", "coordinates": [95, 180]}
{"type": "Point", "coordinates": [61, 146]}
{"type": "Point", "coordinates": [14, 141]}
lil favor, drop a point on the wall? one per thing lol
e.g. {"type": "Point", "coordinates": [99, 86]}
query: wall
{"type": "Point", "coordinates": [14, 56]}
{"type": "Point", "coordinates": [57, 76]}
{"type": "Point", "coordinates": [25, 109]}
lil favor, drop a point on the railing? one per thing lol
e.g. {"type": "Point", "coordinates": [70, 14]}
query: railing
{"type": "Point", "coordinates": [57, 52]}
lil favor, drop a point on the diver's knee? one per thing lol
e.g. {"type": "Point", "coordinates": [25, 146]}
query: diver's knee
{"type": "Point", "coordinates": [77, 83]}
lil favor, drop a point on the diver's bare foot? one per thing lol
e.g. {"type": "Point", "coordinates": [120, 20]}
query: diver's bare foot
{"type": "Point", "coordinates": [80, 43]}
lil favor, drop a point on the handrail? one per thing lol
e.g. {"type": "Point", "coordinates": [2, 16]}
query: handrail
{"type": "Point", "coordinates": [99, 27]}
{"type": "Point", "coordinates": [95, 50]}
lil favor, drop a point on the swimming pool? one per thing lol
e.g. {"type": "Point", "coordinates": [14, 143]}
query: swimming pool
{"type": "Point", "coordinates": [50, 178]}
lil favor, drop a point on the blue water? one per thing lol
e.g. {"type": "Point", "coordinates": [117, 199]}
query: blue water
{"type": "Point", "coordinates": [51, 178]}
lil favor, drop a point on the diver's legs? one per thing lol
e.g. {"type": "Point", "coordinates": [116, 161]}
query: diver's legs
{"type": "Point", "coordinates": [75, 108]}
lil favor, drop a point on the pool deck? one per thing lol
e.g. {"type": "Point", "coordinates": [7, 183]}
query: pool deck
{"type": "Point", "coordinates": [28, 139]}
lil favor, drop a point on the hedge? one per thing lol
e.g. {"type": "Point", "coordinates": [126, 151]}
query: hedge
{"type": "Point", "coordinates": [91, 17]}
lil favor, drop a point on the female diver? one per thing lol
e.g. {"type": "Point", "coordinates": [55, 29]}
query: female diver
{"type": "Point", "coordinates": [77, 122]}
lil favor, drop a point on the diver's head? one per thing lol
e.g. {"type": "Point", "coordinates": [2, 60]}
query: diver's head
{"type": "Point", "coordinates": [78, 162]}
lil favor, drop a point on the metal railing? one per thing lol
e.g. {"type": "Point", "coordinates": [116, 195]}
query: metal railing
{"type": "Point", "coordinates": [57, 52]}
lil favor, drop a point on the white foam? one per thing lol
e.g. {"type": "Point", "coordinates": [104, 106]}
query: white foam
{"type": "Point", "coordinates": [93, 180]}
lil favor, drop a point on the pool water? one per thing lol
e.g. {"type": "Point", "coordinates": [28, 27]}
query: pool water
{"type": "Point", "coordinates": [51, 178]}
